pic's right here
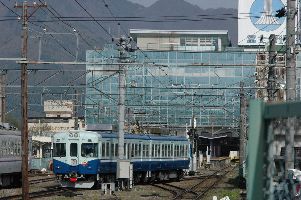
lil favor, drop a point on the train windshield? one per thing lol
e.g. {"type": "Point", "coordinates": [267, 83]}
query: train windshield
{"type": "Point", "coordinates": [59, 150]}
{"type": "Point", "coordinates": [89, 150]}
{"type": "Point", "coordinates": [73, 149]}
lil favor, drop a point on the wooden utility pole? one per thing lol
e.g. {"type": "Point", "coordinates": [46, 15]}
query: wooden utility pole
{"type": "Point", "coordinates": [243, 128]}
{"type": "Point", "coordinates": [24, 93]}
{"type": "Point", "coordinates": [75, 102]}
{"type": "Point", "coordinates": [271, 67]}
{"type": "Point", "coordinates": [2, 97]}
{"type": "Point", "coordinates": [291, 14]}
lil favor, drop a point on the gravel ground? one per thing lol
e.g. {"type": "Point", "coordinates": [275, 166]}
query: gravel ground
{"type": "Point", "coordinates": [51, 190]}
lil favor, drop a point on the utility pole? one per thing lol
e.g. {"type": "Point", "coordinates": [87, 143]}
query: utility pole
{"type": "Point", "coordinates": [24, 93]}
{"type": "Point", "coordinates": [243, 128]}
{"type": "Point", "coordinates": [290, 80]}
{"type": "Point", "coordinates": [76, 110]}
{"type": "Point", "coordinates": [121, 106]}
{"type": "Point", "coordinates": [272, 62]}
{"type": "Point", "coordinates": [2, 96]}
{"type": "Point", "coordinates": [123, 46]}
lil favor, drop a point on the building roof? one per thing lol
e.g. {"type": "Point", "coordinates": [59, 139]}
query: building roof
{"type": "Point", "coordinates": [144, 137]}
{"type": "Point", "coordinates": [179, 32]}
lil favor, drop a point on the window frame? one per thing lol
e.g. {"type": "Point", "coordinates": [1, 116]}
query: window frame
{"type": "Point", "coordinates": [95, 150]}
{"type": "Point", "coordinates": [55, 150]}
{"type": "Point", "coordinates": [72, 155]}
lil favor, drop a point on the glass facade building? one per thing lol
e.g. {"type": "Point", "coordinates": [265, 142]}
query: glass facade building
{"type": "Point", "coordinates": [170, 92]}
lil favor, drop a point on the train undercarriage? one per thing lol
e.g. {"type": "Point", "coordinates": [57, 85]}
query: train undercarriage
{"type": "Point", "coordinates": [88, 181]}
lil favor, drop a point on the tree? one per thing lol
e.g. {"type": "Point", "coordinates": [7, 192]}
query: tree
{"type": "Point", "coordinates": [13, 121]}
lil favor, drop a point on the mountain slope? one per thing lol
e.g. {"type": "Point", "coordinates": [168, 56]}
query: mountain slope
{"type": "Point", "coordinates": [59, 46]}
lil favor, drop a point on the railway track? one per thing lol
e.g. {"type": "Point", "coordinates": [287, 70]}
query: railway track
{"type": "Point", "coordinates": [50, 191]}
{"type": "Point", "coordinates": [197, 190]}
{"type": "Point", "coordinates": [36, 181]}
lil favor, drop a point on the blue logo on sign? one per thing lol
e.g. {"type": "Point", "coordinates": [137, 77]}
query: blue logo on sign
{"type": "Point", "coordinates": [263, 14]}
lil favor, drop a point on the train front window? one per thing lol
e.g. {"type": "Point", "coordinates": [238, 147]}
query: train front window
{"type": "Point", "coordinates": [73, 149]}
{"type": "Point", "coordinates": [89, 150]}
{"type": "Point", "coordinates": [59, 150]}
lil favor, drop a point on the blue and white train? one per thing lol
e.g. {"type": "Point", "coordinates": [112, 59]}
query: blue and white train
{"type": "Point", "coordinates": [83, 158]}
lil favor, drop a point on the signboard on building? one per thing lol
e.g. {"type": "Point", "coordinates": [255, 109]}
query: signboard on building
{"type": "Point", "coordinates": [55, 108]}
{"type": "Point", "coordinates": [256, 21]}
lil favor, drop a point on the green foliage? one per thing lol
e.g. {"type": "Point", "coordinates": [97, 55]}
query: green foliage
{"type": "Point", "coordinates": [13, 121]}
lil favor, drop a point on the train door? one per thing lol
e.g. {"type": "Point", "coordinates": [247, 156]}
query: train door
{"type": "Point", "coordinates": [73, 153]}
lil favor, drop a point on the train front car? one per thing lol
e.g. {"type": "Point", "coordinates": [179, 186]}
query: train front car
{"type": "Point", "coordinates": [76, 158]}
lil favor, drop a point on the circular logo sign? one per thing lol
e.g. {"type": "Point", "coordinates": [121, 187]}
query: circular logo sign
{"type": "Point", "coordinates": [262, 14]}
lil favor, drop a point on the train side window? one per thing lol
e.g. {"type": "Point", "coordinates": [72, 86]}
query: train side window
{"type": "Point", "coordinates": [11, 148]}
{"type": "Point", "coordinates": [143, 150]}
{"type": "Point", "coordinates": [103, 149]}
{"type": "Point", "coordinates": [8, 148]}
{"type": "Point", "coordinates": [174, 150]}
{"type": "Point", "coordinates": [59, 150]}
{"type": "Point", "coordinates": [112, 149]}
{"type": "Point", "coordinates": [124, 150]}
{"type": "Point", "coordinates": [108, 149]}
{"type": "Point", "coordinates": [128, 150]}
{"type": "Point", "coordinates": [132, 150]}
{"type": "Point", "coordinates": [116, 149]}
{"type": "Point", "coordinates": [4, 148]}
{"type": "Point", "coordinates": [89, 150]}
{"type": "Point", "coordinates": [136, 150]}
{"type": "Point", "coordinates": [159, 150]}
{"type": "Point", "coordinates": [16, 148]}
{"type": "Point", "coordinates": [153, 150]}
{"type": "Point", "coordinates": [73, 149]}
{"type": "Point", "coordinates": [182, 151]}
{"type": "Point", "coordinates": [19, 148]}
{"type": "Point", "coordinates": [147, 151]}
{"type": "Point", "coordinates": [166, 150]}
{"type": "Point", "coordinates": [139, 150]}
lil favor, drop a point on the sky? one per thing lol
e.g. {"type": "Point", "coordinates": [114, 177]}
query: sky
{"type": "Point", "coordinates": [201, 3]}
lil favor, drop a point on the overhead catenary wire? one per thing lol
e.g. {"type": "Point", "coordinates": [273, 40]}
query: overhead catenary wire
{"type": "Point", "coordinates": [57, 15]}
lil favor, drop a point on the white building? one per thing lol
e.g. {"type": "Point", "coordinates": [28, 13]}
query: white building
{"type": "Point", "coordinates": [181, 40]}
{"type": "Point", "coordinates": [59, 116]}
